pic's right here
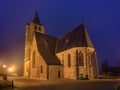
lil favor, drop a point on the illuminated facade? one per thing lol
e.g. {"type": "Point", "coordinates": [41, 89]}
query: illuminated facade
{"type": "Point", "coordinates": [71, 56]}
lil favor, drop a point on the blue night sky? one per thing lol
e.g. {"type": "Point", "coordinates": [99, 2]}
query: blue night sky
{"type": "Point", "coordinates": [101, 17]}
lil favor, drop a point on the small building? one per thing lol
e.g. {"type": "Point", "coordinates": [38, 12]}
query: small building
{"type": "Point", "coordinates": [71, 56]}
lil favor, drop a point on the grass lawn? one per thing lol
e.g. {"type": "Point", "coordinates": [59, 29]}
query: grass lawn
{"type": "Point", "coordinates": [5, 84]}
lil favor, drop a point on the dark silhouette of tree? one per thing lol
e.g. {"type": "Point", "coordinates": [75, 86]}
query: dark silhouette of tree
{"type": "Point", "coordinates": [104, 67]}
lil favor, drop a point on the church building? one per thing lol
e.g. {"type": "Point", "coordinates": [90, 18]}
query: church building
{"type": "Point", "coordinates": [71, 56]}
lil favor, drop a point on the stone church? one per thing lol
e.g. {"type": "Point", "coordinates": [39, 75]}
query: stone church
{"type": "Point", "coordinates": [72, 56]}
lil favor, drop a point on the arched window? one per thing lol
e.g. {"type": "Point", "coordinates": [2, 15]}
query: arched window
{"type": "Point", "coordinates": [80, 59]}
{"type": "Point", "coordinates": [69, 60]}
{"type": "Point", "coordinates": [90, 58]}
{"type": "Point", "coordinates": [33, 59]}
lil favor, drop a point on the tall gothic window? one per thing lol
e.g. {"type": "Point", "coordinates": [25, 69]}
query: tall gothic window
{"type": "Point", "coordinates": [33, 59]}
{"type": "Point", "coordinates": [90, 59]}
{"type": "Point", "coordinates": [69, 60]}
{"type": "Point", "coordinates": [80, 59]}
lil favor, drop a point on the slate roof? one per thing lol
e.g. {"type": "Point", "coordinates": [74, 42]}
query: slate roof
{"type": "Point", "coordinates": [36, 19]}
{"type": "Point", "coordinates": [46, 47]}
{"type": "Point", "coordinates": [75, 38]}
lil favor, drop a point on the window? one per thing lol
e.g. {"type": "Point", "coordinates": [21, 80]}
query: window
{"type": "Point", "coordinates": [80, 59]}
{"type": "Point", "coordinates": [59, 74]}
{"type": "Point", "coordinates": [69, 60]}
{"type": "Point", "coordinates": [90, 58]}
{"type": "Point", "coordinates": [33, 59]}
{"type": "Point", "coordinates": [41, 69]}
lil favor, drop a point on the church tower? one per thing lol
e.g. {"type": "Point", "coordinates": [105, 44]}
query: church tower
{"type": "Point", "coordinates": [34, 25]}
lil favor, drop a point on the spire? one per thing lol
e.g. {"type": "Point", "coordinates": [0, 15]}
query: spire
{"type": "Point", "coordinates": [36, 19]}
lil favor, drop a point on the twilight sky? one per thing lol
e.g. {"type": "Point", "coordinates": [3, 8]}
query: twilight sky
{"type": "Point", "coordinates": [101, 17]}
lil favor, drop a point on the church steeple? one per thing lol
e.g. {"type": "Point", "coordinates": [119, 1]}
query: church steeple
{"type": "Point", "coordinates": [36, 24]}
{"type": "Point", "coordinates": [36, 19]}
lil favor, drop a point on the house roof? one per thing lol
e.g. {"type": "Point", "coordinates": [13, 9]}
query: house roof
{"type": "Point", "coordinates": [75, 38]}
{"type": "Point", "coordinates": [46, 47]}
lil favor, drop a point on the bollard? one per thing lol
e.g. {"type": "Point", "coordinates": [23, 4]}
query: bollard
{"type": "Point", "coordinates": [12, 84]}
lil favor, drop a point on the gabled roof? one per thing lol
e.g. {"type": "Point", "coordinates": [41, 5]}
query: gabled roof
{"type": "Point", "coordinates": [46, 47]}
{"type": "Point", "coordinates": [75, 38]}
{"type": "Point", "coordinates": [36, 19]}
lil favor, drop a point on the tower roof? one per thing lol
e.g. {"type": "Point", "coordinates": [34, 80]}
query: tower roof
{"type": "Point", "coordinates": [36, 19]}
{"type": "Point", "coordinates": [75, 38]}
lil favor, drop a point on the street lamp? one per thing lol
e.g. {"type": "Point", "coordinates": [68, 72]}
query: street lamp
{"type": "Point", "coordinates": [4, 66]}
{"type": "Point", "coordinates": [10, 69]}
{"type": "Point", "coordinates": [4, 69]}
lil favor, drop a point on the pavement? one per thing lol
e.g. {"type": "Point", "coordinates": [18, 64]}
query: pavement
{"type": "Point", "coordinates": [33, 84]}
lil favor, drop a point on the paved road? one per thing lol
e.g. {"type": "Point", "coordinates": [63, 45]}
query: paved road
{"type": "Point", "coordinates": [30, 84]}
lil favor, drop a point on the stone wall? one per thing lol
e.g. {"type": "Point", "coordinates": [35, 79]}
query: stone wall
{"type": "Point", "coordinates": [55, 72]}
{"type": "Point", "coordinates": [75, 71]}
{"type": "Point", "coordinates": [26, 68]}
{"type": "Point", "coordinates": [29, 36]}
{"type": "Point", "coordinates": [35, 72]}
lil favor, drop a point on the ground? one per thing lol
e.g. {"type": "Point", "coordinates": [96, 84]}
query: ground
{"type": "Point", "coordinates": [31, 84]}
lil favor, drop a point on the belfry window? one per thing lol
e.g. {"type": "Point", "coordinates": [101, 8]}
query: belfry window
{"type": "Point", "coordinates": [69, 60]}
{"type": "Point", "coordinates": [33, 59]}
